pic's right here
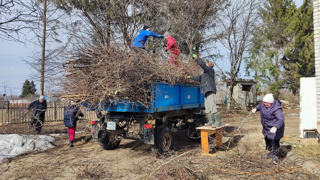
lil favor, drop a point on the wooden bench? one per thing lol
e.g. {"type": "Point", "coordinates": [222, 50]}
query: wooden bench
{"type": "Point", "coordinates": [206, 132]}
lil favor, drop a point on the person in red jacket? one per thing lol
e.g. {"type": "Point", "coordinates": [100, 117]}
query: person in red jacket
{"type": "Point", "coordinates": [172, 48]}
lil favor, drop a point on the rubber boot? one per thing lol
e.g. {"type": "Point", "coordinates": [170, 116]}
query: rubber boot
{"type": "Point", "coordinates": [217, 119]}
{"type": "Point", "coordinates": [71, 143]}
{"type": "Point", "coordinates": [210, 120]}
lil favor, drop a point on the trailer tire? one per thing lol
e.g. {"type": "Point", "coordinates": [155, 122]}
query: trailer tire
{"type": "Point", "coordinates": [163, 139]}
{"type": "Point", "coordinates": [194, 132]}
{"type": "Point", "coordinates": [104, 140]}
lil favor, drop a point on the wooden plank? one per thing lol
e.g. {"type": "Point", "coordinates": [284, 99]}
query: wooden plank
{"type": "Point", "coordinates": [204, 142]}
{"type": "Point", "coordinates": [206, 131]}
{"type": "Point", "coordinates": [219, 138]}
{"type": "Point", "coordinates": [212, 128]}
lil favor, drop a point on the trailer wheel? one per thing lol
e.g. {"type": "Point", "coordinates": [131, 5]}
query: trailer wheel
{"type": "Point", "coordinates": [106, 141]}
{"type": "Point", "coordinates": [163, 139]}
{"type": "Point", "coordinates": [194, 133]}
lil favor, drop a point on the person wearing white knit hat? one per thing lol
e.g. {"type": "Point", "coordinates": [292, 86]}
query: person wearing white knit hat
{"type": "Point", "coordinates": [39, 108]}
{"type": "Point", "coordinates": [268, 98]}
{"type": "Point", "coordinates": [272, 121]}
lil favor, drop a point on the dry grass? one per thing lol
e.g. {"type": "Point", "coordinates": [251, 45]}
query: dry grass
{"type": "Point", "coordinates": [289, 97]}
{"type": "Point", "coordinates": [309, 152]}
{"type": "Point", "coordinates": [238, 159]}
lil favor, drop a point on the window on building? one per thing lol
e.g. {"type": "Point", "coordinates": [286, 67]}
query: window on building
{"type": "Point", "coordinates": [246, 87]}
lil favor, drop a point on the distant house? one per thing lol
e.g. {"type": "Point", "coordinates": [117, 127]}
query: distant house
{"type": "Point", "coordinates": [19, 102]}
{"type": "Point", "coordinates": [244, 93]}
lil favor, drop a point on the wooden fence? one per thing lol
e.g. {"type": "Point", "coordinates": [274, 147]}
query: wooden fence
{"type": "Point", "coordinates": [14, 113]}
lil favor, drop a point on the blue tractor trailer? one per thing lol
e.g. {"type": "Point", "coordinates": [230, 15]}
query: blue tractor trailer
{"type": "Point", "coordinates": [171, 107]}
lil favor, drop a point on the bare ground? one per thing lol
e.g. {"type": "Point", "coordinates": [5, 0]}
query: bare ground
{"type": "Point", "coordinates": [238, 159]}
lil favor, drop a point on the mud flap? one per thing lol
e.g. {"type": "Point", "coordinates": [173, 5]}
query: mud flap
{"type": "Point", "coordinates": [94, 131]}
{"type": "Point", "coordinates": [148, 136]}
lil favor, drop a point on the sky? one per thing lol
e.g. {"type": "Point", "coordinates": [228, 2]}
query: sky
{"type": "Point", "coordinates": [14, 71]}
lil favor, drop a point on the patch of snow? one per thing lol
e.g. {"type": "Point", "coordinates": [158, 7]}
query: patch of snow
{"type": "Point", "coordinates": [77, 132]}
{"type": "Point", "coordinates": [292, 114]}
{"type": "Point", "coordinates": [55, 135]}
{"type": "Point", "coordinates": [14, 144]}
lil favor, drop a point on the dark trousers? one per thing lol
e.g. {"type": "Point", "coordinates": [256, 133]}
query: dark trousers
{"type": "Point", "coordinates": [272, 145]}
{"type": "Point", "coordinates": [37, 123]}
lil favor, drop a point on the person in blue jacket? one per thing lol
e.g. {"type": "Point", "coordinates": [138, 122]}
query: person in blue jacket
{"type": "Point", "coordinates": [71, 114]}
{"type": "Point", "coordinates": [142, 38]}
{"type": "Point", "coordinates": [272, 121]}
{"type": "Point", "coordinates": [39, 109]}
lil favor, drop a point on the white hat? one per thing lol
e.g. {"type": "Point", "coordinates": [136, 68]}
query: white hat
{"type": "Point", "coordinates": [268, 98]}
{"type": "Point", "coordinates": [41, 97]}
{"type": "Point", "coordinates": [72, 102]}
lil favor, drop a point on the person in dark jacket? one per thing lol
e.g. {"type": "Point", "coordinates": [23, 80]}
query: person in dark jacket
{"type": "Point", "coordinates": [172, 48]}
{"type": "Point", "coordinates": [208, 87]}
{"type": "Point", "coordinates": [272, 121]}
{"type": "Point", "coordinates": [71, 114]}
{"type": "Point", "coordinates": [142, 38]}
{"type": "Point", "coordinates": [39, 109]}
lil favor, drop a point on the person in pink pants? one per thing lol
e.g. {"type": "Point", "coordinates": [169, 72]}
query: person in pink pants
{"type": "Point", "coordinates": [71, 114]}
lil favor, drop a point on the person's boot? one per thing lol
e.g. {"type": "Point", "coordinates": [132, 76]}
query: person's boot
{"type": "Point", "coordinates": [210, 120]}
{"type": "Point", "coordinates": [217, 119]}
{"type": "Point", "coordinates": [32, 122]}
{"type": "Point", "coordinates": [266, 156]}
{"type": "Point", "coordinates": [70, 143]}
{"type": "Point", "coordinates": [38, 130]}
{"type": "Point", "coordinates": [275, 160]}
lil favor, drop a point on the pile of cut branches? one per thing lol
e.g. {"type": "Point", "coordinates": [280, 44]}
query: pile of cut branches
{"type": "Point", "coordinates": [110, 73]}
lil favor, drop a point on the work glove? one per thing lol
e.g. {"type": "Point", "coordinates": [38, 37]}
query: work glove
{"type": "Point", "coordinates": [254, 110]}
{"type": "Point", "coordinates": [160, 37]}
{"type": "Point", "coordinates": [188, 77]}
{"type": "Point", "coordinates": [194, 56]}
{"type": "Point", "coordinates": [273, 130]}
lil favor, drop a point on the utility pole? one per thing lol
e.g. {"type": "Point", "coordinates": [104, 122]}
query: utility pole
{"type": "Point", "coordinates": [43, 47]}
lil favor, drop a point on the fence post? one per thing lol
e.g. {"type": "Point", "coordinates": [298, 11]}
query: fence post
{"type": "Point", "coordinates": [2, 108]}
{"type": "Point", "coordinates": [55, 111]}
{"type": "Point", "coordinates": [8, 112]}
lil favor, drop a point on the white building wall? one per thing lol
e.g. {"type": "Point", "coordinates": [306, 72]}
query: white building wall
{"type": "Point", "coordinates": [316, 27]}
{"type": "Point", "coordinates": [308, 110]}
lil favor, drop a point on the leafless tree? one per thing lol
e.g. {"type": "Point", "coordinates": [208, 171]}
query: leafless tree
{"type": "Point", "coordinates": [235, 26]}
{"type": "Point", "coordinates": [16, 15]}
{"type": "Point", "coordinates": [189, 22]}
{"type": "Point", "coordinates": [49, 42]}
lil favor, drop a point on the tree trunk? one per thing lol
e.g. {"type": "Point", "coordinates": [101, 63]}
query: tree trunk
{"type": "Point", "coordinates": [43, 47]}
{"type": "Point", "coordinates": [277, 66]}
{"type": "Point", "coordinates": [230, 92]}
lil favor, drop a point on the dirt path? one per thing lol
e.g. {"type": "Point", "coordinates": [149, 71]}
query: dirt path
{"type": "Point", "coordinates": [134, 160]}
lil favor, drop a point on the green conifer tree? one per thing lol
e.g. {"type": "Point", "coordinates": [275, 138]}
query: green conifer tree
{"type": "Point", "coordinates": [25, 89]}
{"type": "Point", "coordinates": [276, 16]}
{"type": "Point", "coordinates": [33, 88]}
{"type": "Point", "coordinates": [299, 60]}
